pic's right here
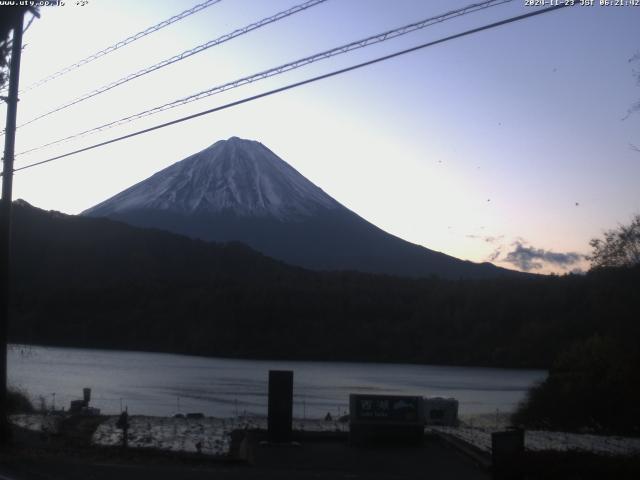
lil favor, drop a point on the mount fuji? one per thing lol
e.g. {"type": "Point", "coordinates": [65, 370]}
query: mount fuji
{"type": "Point", "coordinates": [239, 190]}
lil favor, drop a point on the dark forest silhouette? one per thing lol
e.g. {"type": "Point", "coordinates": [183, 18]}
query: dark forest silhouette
{"type": "Point", "coordinates": [98, 283]}
{"type": "Point", "coordinates": [594, 384]}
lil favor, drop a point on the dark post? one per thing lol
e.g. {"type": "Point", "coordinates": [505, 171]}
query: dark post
{"type": "Point", "coordinates": [280, 405]}
{"type": "Point", "coordinates": [5, 212]}
{"type": "Point", "coordinates": [507, 449]}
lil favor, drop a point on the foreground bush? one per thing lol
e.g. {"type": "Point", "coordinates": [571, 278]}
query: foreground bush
{"type": "Point", "coordinates": [594, 386]}
{"type": "Point", "coordinates": [18, 402]}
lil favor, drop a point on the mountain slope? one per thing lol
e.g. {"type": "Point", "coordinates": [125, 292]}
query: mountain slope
{"type": "Point", "coordinates": [238, 176]}
{"type": "Point", "coordinates": [238, 190]}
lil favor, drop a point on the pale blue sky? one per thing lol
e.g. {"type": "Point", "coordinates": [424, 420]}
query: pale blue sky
{"type": "Point", "coordinates": [470, 147]}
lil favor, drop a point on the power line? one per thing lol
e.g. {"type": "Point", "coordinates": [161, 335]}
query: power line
{"type": "Point", "coordinates": [181, 56]}
{"type": "Point", "coordinates": [381, 37]}
{"type": "Point", "coordinates": [301, 83]}
{"type": "Point", "coordinates": [122, 43]}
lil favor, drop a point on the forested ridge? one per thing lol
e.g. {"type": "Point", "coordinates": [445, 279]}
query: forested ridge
{"type": "Point", "coordinates": [97, 283]}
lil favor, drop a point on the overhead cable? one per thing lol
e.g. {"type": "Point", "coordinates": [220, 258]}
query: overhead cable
{"type": "Point", "coordinates": [122, 43]}
{"type": "Point", "coordinates": [381, 37]}
{"type": "Point", "coordinates": [181, 56]}
{"type": "Point", "coordinates": [300, 83]}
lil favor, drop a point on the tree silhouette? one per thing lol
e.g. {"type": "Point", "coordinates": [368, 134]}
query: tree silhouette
{"type": "Point", "coordinates": [5, 47]}
{"type": "Point", "coordinates": [619, 248]}
{"type": "Point", "coordinates": [636, 73]}
{"type": "Point", "coordinates": [6, 25]}
{"type": "Point", "coordinates": [635, 108]}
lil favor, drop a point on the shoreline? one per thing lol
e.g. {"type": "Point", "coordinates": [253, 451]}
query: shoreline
{"type": "Point", "coordinates": [214, 435]}
{"type": "Point", "coordinates": [276, 359]}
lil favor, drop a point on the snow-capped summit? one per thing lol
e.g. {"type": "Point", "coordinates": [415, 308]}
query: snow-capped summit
{"type": "Point", "coordinates": [236, 176]}
{"type": "Point", "coordinates": [239, 190]}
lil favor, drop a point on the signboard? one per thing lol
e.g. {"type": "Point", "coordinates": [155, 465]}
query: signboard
{"type": "Point", "coordinates": [382, 408]}
{"type": "Point", "coordinates": [385, 418]}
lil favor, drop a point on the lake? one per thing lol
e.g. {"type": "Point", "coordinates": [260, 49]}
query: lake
{"type": "Point", "coordinates": [163, 384]}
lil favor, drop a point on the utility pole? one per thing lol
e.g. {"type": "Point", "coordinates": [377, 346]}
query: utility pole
{"type": "Point", "coordinates": [5, 213]}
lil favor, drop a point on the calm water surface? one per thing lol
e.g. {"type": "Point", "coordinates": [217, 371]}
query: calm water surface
{"type": "Point", "coordinates": [162, 384]}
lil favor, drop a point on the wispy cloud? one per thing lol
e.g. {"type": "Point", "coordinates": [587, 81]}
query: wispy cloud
{"type": "Point", "coordinates": [486, 238]}
{"type": "Point", "coordinates": [493, 256]}
{"type": "Point", "coordinates": [518, 253]}
{"type": "Point", "coordinates": [529, 258]}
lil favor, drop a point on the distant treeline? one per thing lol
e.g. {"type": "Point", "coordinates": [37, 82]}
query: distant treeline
{"type": "Point", "coordinates": [98, 283]}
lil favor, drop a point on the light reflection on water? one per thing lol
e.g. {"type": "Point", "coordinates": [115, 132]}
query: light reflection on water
{"type": "Point", "coordinates": [161, 384]}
